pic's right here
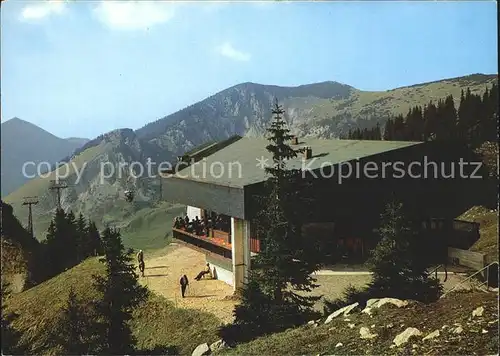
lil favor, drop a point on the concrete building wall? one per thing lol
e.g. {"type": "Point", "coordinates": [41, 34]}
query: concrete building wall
{"type": "Point", "coordinates": [466, 258]}
{"type": "Point", "coordinates": [193, 212]}
{"type": "Point", "coordinates": [223, 271]}
{"type": "Point", "coordinates": [240, 244]}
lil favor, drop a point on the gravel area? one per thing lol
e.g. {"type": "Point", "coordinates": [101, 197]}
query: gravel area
{"type": "Point", "coordinates": [165, 267]}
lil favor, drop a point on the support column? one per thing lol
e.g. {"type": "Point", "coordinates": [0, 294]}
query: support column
{"type": "Point", "coordinates": [240, 244]}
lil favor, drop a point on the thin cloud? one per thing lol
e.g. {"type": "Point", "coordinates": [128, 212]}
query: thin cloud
{"type": "Point", "coordinates": [133, 15]}
{"type": "Point", "coordinates": [227, 50]}
{"type": "Point", "coordinates": [43, 9]}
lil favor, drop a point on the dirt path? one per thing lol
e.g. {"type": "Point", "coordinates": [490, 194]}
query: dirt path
{"type": "Point", "coordinates": [162, 274]}
{"type": "Point", "coordinates": [165, 267]}
{"type": "Point", "coordinates": [332, 286]}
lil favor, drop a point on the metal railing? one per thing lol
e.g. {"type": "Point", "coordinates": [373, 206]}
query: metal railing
{"type": "Point", "coordinates": [435, 271]}
{"type": "Point", "coordinates": [473, 275]}
{"type": "Point", "coordinates": [203, 243]}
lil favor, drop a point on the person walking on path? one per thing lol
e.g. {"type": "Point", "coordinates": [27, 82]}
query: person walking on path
{"type": "Point", "coordinates": [184, 282]}
{"type": "Point", "coordinates": [140, 260]}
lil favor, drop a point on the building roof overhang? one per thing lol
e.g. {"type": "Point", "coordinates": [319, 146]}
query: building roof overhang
{"type": "Point", "coordinates": [218, 182]}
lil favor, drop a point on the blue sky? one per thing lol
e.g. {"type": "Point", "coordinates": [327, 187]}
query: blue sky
{"type": "Point", "coordinates": [83, 68]}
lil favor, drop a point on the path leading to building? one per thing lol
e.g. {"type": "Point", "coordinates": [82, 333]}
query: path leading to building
{"type": "Point", "coordinates": [164, 268]}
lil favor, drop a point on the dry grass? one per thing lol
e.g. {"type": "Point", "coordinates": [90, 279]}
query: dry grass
{"type": "Point", "coordinates": [454, 309]}
{"type": "Point", "coordinates": [157, 323]}
{"type": "Point", "coordinates": [488, 230]}
{"type": "Point", "coordinates": [398, 101]}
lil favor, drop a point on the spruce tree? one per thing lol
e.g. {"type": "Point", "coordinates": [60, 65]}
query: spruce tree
{"type": "Point", "coordinates": [389, 130]}
{"type": "Point", "coordinates": [286, 261]}
{"type": "Point", "coordinates": [71, 240]}
{"type": "Point", "coordinates": [462, 118]}
{"type": "Point", "coordinates": [415, 124]}
{"type": "Point", "coordinates": [56, 240]}
{"type": "Point", "coordinates": [490, 130]}
{"type": "Point", "coordinates": [94, 239]}
{"type": "Point", "coordinates": [450, 118]}
{"type": "Point", "coordinates": [83, 243]}
{"type": "Point", "coordinates": [121, 293]}
{"type": "Point", "coordinates": [378, 132]}
{"type": "Point", "coordinates": [75, 332]}
{"type": "Point", "coordinates": [399, 128]}
{"type": "Point", "coordinates": [430, 122]}
{"type": "Point", "coordinates": [398, 263]}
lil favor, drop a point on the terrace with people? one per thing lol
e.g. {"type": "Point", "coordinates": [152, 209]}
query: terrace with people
{"type": "Point", "coordinates": [212, 232]}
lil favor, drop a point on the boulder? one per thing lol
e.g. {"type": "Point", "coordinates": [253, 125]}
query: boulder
{"type": "Point", "coordinates": [201, 350]}
{"type": "Point", "coordinates": [458, 330]}
{"type": "Point", "coordinates": [339, 345]}
{"type": "Point", "coordinates": [478, 312]}
{"type": "Point", "coordinates": [432, 335]}
{"type": "Point", "coordinates": [403, 337]}
{"type": "Point", "coordinates": [377, 303]}
{"type": "Point", "coordinates": [313, 323]}
{"type": "Point", "coordinates": [367, 310]}
{"type": "Point", "coordinates": [365, 333]}
{"type": "Point", "coordinates": [345, 311]}
{"type": "Point", "coordinates": [218, 345]}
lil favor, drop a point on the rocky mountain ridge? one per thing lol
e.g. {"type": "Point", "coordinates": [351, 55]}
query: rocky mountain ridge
{"type": "Point", "coordinates": [318, 110]}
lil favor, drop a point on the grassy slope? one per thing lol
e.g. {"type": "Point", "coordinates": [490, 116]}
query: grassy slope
{"type": "Point", "coordinates": [40, 187]}
{"type": "Point", "coordinates": [144, 227]}
{"type": "Point", "coordinates": [149, 228]}
{"type": "Point", "coordinates": [455, 308]}
{"type": "Point", "coordinates": [398, 101]}
{"type": "Point", "coordinates": [156, 323]}
{"type": "Point", "coordinates": [488, 229]}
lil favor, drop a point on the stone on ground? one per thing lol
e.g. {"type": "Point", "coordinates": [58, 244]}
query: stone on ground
{"type": "Point", "coordinates": [478, 311]}
{"type": "Point", "coordinates": [201, 350]}
{"type": "Point", "coordinates": [218, 345]}
{"type": "Point", "coordinates": [377, 303]}
{"type": "Point", "coordinates": [403, 337]}
{"type": "Point", "coordinates": [432, 335]}
{"type": "Point", "coordinates": [345, 311]}
{"type": "Point", "coordinates": [313, 323]}
{"type": "Point", "coordinates": [364, 333]}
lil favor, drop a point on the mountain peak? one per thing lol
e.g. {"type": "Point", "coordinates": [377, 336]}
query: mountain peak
{"type": "Point", "coordinates": [17, 121]}
{"type": "Point", "coordinates": [120, 135]}
{"type": "Point", "coordinates": [22, 142]}
{"type": "Point", "coordinates": [330, 83]}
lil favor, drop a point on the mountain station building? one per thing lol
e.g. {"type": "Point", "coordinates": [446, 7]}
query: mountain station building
{"type": "Point", "coordinates": [348, 197]}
